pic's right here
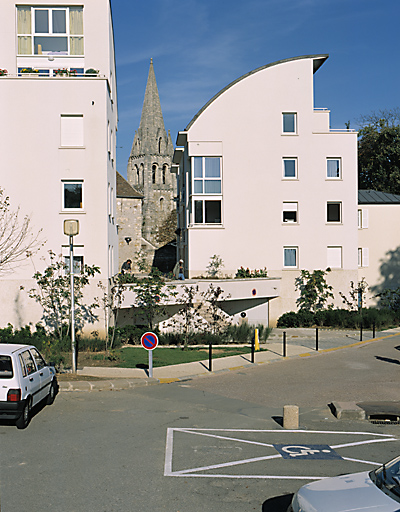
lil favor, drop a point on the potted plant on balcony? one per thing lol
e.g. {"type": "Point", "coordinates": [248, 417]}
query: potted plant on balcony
{"type": "Point", "coordinates": [30, 71]}
{"type": "Point", "coordinates": [92, 72]}
{"type": "Point", "coordinates": [3, 72]}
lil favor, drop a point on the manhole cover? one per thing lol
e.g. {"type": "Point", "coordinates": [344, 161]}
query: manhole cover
{"type": "Point", "coordinates": [382, 413]}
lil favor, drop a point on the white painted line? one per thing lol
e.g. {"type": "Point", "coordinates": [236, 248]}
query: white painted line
{"type": "Point", "coordinates": [227, 464]}
{"type": "Point", "coordinates": [364, 442]}
{"type": "Point", "coordinates": [229, 438]}
{"type": "Point", "coordinates": [363, 461]}
{"type": "Point", "coordinates": [194, 472]}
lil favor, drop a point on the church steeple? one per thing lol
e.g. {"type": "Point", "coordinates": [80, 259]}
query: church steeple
{"type": "Point", "coordinates": [151, 137]}
{"type": "Point", "coordinates": [149, 167]}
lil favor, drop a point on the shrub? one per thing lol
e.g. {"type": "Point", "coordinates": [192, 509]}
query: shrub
{"type": "Point", "coordinates": [288, 320]}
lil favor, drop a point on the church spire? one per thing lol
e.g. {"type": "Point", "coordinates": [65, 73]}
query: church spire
{"type": "Point", "coordinates": [152, 121]}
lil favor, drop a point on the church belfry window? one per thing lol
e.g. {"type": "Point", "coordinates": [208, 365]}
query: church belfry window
{"type": "Point", "coordinates": [153, 174]}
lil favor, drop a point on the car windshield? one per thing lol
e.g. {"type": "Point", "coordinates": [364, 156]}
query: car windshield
{"type": "Point", "coordinates": [6, 370]}
{"type": "Point", "coordinates": [387, 478]}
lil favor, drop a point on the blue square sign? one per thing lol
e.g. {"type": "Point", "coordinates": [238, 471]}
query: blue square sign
{"type": "Point", "coordinates": [309, 451]}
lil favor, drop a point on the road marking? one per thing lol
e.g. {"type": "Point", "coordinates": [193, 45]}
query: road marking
{"type": "Point", "coordinates": [293, 451]}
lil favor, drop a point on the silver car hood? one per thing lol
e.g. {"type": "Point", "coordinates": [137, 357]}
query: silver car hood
{"type": "Point", "coordinates": [347, 493]}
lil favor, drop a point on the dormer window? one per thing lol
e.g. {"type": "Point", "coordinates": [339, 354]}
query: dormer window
{"type": "Point", "coordinates": [50, 31]}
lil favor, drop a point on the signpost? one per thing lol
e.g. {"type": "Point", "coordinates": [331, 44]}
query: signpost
{"type": "Point", "coordinates": [149, 341]}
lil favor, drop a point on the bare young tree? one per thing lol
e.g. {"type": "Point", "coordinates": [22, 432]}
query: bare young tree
{"type": "Point", "coordinates": [17, 240]}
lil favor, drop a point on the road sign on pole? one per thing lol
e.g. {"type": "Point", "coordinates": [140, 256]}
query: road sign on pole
{"type": "Point", "coordinates": [149, 341]}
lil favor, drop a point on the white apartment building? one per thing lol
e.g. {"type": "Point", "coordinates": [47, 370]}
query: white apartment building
{"type": "Point", "coordinates": [58, 137]}
{"type": "Point", "coordinates": [264, 181]}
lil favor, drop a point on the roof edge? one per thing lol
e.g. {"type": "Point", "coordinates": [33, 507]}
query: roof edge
{"type": "Point", "coordinates": [318, 61]}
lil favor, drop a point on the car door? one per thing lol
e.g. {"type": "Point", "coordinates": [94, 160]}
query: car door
{"type": "Point", "coordinates": [44, 373]}
{"type": "Point", "coordinates": [31, 381]}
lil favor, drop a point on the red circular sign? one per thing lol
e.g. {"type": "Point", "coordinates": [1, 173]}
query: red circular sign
{"type": "Point", "coordinates": [149, 340]}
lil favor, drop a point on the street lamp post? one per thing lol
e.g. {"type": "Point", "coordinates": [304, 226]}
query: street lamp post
{"type": "Point", "coordinates": [71, 229]}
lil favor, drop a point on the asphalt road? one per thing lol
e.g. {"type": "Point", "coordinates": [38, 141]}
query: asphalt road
{"type": "Point", "coordinates": [211, 443]}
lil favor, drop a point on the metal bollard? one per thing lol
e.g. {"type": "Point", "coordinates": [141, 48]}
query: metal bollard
{"type": "Point", "coordinates": [373, 330]}
{"type": "Point", "coordinates": [284, 343]}
{"type": "Point", "coordinates": [316, 339]}
{"type": "Point", "coordinates": [252, 349]}
{"type": "Point", "coordinates": [361, 331]}
{"type": "Point", "coordinates": [210, 357]}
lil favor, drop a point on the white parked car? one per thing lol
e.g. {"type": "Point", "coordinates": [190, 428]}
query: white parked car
{"type": "Point", "coordinates": [378, 490]}
{"type": "Point", "coordinates": [25, 380]}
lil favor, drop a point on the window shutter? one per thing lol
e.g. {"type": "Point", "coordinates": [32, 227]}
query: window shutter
{"type": "Point", "coordinates": [364, 218]}
{"type": "Point", "coordinates": [72, 130]}
{"type": "Point", "coordinates": [365, 257]}
{"type": "Point", "coordinates": [334, 257]}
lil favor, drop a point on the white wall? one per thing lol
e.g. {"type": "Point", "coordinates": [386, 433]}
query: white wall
{"type": "Point", "coordinates": [246, 122]}
{"type": "Point", "coordinates": [34, 163]}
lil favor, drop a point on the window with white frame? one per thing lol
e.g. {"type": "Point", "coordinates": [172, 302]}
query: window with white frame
{"type": "Point", "coordinates": [290, 212]}
{"type": "Point", "coordinates": [72, 195]}
{"type": "Point", "coordinates": [206, 188]}
{"type": "Point", "coordinates": [71, 131]}
{"type": "Point", "coordinates": [290, 257]}
{"type": "Point", "coordinates": [333, 168]}
{"type": "Point", "coordinates": [363, 256]}
{"type": "Point", "coordinates": [56, 30]}
{"type": "Point", "coordinates": [290, 168]}
{"type": "Point", "coordinates": [334, 257]}
{"type": "Point", "coordinates": [334, 211]}
{"type": "Point", "coordinates": [362, 218]}
{"type": "Point", "coordinates": [289, 122]}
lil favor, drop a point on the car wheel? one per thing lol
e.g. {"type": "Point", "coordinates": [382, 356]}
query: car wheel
{"type": "Point", "coordinates": [52, 394]}
{"type": "Point", "coordinates": [23, 420]}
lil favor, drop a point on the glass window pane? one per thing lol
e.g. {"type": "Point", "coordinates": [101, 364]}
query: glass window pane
{"type": "Point", "coordinates": [290, 168]}
{"type": "Point", "coordinates": [333, 169]}
{"type": "Point", "coordinates": [42, 21]}
{"type": "Point", "coordinates": [212, 167]}
{"type": "Point", "coordinates": [59, 22]}
{"type": "Point", "coordinates": [198, 186]}
{"type": "Point", "coordinates": [213, 212]}
{"type": "Point", "coordinates": [197, 167]}
{"type": "Point", "coordinates": [24, 20]}
{"type": "Point", "coordinates": [333, 212]}
{"type": "Point", "coordinates": [72, 195]}
{"type": "Point", "coordinates": [51, 44]}
{"type": "Point", "coordinates": [290, 256]}
{"type": "Point", "coordinates": [6, 369]}
{"type": "Point", "coordinates": [76, 20]}
{"type": "Point", "coordinates": [198, 212]}
{"type": "Point", "coordinates": [212, 186]}
{"type": "Point", "coordinates": [289, 123]}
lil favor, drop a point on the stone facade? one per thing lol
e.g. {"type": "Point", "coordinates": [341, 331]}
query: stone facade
{"type": "Point", "coordinates": [149, 172]}
{"type": "Point", "coordinates": [129, 220]}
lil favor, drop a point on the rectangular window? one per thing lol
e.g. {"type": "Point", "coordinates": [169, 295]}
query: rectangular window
{"type": "Point", "coordinates": [289, 122]}
{"type": "Point", "coordinates": [290, 257]}
{"type": "Point", "coordinates": [207, 175]}
{"type": "Point", "coordinates": [71, 130]}
{"type": "Point", "coordinates": [334, 212]}
{"type": "Point", "coordinates": [290, 212]}
{"type": "Point", "coordinates": [290, 168]}
{"type": "Point", "coordinates": [72, 195]}
{"type": "Point", "coordinates": [207, 211]}
{"type": "Point", "coordinates": [78, 264]}
{"type": "Point", "coordinates": [334, 257]}
{"type": "Point", "coordinates": [333, 168]}
{"type": "Point", "coordinates": [47, 31]}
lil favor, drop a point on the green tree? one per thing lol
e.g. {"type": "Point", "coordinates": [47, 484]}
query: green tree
{"type": "Point", "coordinates": [314, 290]}
{"type": "Point", "coordinates": [379, 151]}
{"type": "Point", "coordinates": [53, 293]}
{"type": "Point", "coordinates": [357, 295]}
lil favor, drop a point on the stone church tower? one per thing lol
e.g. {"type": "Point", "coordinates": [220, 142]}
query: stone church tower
{"type": "Point", "coordinates": [149, 172]}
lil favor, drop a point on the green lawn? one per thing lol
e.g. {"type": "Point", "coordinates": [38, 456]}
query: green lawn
{"type": "Point", "coordinates": [137, 357]}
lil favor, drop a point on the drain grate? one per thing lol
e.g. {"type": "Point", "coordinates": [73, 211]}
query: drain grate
{"type": "Point", "coordinates": [384, 419]}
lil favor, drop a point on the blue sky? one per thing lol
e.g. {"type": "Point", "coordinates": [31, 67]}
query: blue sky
{"type": "Point", "coordinates": [199, 46]}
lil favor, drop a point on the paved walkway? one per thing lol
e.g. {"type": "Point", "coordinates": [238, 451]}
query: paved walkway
{"type": "Point", "coordinates": [299, 343]}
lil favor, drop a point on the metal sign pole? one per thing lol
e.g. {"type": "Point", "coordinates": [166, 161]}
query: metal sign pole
{"type": "Point", "coordinates": [71, 271]}
{"type": "Point", "coordinates": [150, 363]}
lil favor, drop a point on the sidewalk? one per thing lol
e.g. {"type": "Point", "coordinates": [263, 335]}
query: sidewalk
{"type": "Point", "coordinates": [299, 343]}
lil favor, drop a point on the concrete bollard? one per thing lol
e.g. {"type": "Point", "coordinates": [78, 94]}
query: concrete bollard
{"type": "Point", "coordinates": [290, 416]}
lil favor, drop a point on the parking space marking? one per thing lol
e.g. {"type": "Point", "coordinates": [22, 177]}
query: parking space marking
{"type": "Point", "coordinates": [306, 449]}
